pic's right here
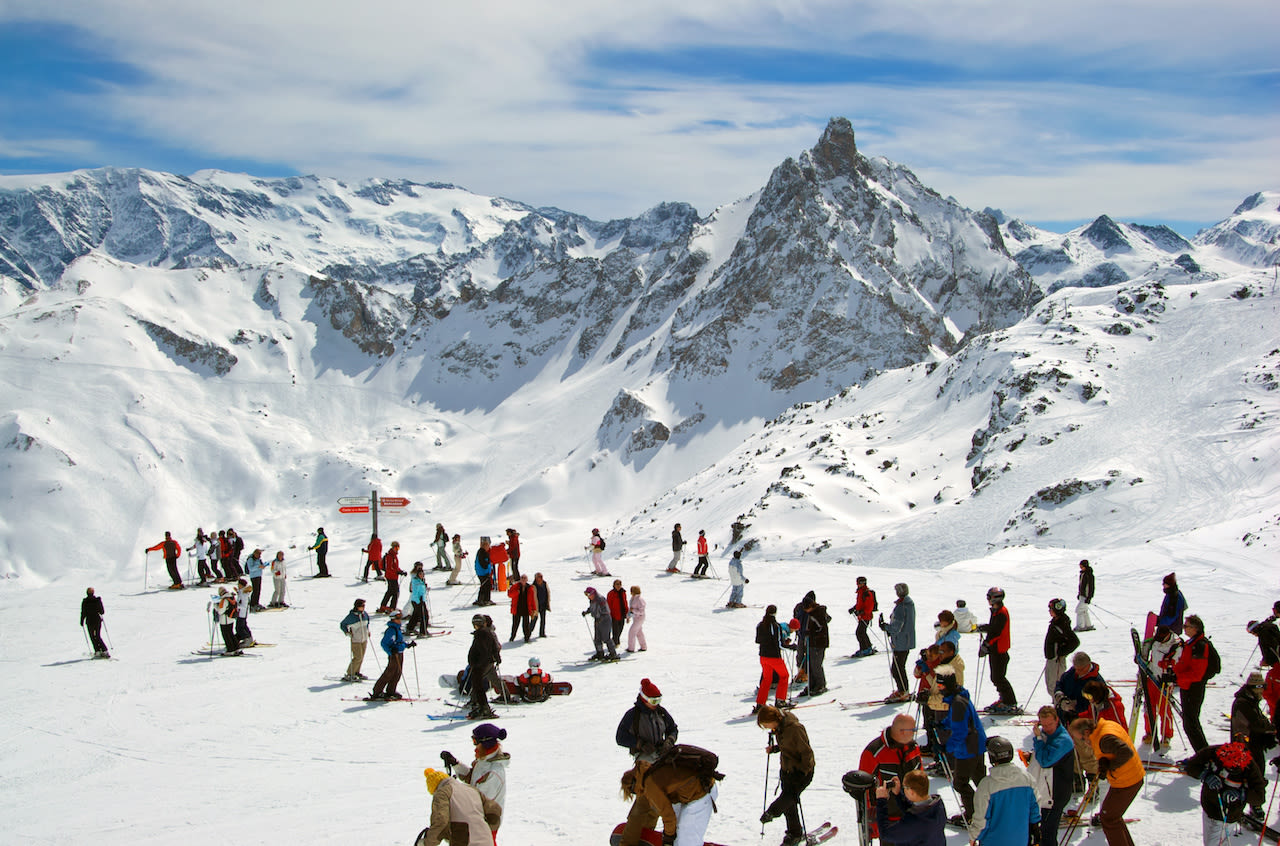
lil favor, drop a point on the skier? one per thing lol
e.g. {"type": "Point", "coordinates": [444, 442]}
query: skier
{"type": "Point", "coordinates": [636, 610]}
{"type": "Point", "coordinates": [201, 543]}
{"type": "Point", "coordinates": [482, 657]}
{"type": "Point", "coordinates": [678, 544]}
{"type": "Point", "coordinates": [243, 592]}
{"type": "Point", "coordinates": [1059, 642]}
{"type": "Point", "coordinates": [1084, 597]}
{"type": "Point", "coordinates": [647, 729]}
{"type": "Point", "coordinates": [487, 771]}
{"type": "Point", "coordinates": [1005, 806]}
{"type": "Point", "coordinates": [254, 567]}
{"type": "Point", "coordinates": [1230, 777]}
{"type": "Point", "coordinates": [91, 614]}
{"type": "Point", "coordinates": [1119, 764]}
{"type": "Point", "coordinates": [1268, 635]}
{"type": "Point", "coordinates": [923, 818]}
{"type": "Point", "coordinates": [995, 645]}
{"type": "Point", "coordinates": [460, 814]}
{"type": "Point", "coordinates": [889, 757]}
{"type": "Point", "coordinates": [231, 561]}
{"type": "Point", "coordinates": [279, 577]}
{"type": "Point", "coordinates": [373, 558]}
{"type": "Point", "coordinates": [484, 573]}
{"type": "Point", "coordinates": [799, 625]}
{"type": "Point", "coordinates": [596, 547]}
{"type": "Point", "coordinates": [215, 553]}
{"type": "Point", "coordinates": [934, 708]}
{"type": "Point", "coordinates": [901, 630]}
{"type": "Point", "coordinates": [321, 546]}
{"type": "Point", "coordinates": [543, 592]}
{"type": "Point", "coordinates": [1191, 669]}
{"type": "Point", "coordinates": [1173, 606]}
{"type": "Point", "coordinates": [1161, 652]}
{"type": "Point", "coordinates": [963, 741]}
{"type": "Point", "coordinates": [1247, 723]}
{"type": "Point", "coordinates": [864, 609]}
{"type": "Point", "coordinates": [966, 620]}
{"type": "Point", "coordinates": [418, 618]}
{"type": "Point", "coordinates": [224, 612]}
{"type": "Point", "coordinates": [441, 545]}
{"type": "Point", "coordinates": [513, 552]}
{"type": "Point", "coordinates": [700, 570]}
{"type": "Point", "coordinates": [787, 735]}
{"type": "Point", "coordinates": [617, 601]}
{"type": "Point", "coordinates": [771, 641]}
{"type": "Point", "coordinates": [392, 573]}
{"type": "Point", "coordinates": [459, 555]}
{"type": "Point", "coordinates": [736, 580]}
{"type": "Point", "coordinates": [945, 630]}
{"type": "Point", "coordinates": [818, 638]}
{"type": "Point", "coordinates": [534, 683]}
{"type": "Point", "coordinates": [672, 789]}
{"type": "Point", "coordinates": [524, 607]}
{"type": "Point", "coordinates": [171, 549]}
{"type": "Point", "coordinates": [602, 630]}
{"type": "Point", "coordinates": [1053, 747]}
{"type": "Point", "coordinates": [356, 627]}
{"type": "Point", "coordinates": [394, 644]}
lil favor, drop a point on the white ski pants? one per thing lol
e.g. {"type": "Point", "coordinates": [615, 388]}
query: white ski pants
{"type": "Point", "coordinates": [692, 819]}
{"type": "Point", "coordinates": [1082, 615]}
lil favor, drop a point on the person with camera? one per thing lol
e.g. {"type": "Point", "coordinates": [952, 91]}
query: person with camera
{"type": "Point", "coordinates": [923, 817]}
{"type": "Point", "coordinates": [889, 757]}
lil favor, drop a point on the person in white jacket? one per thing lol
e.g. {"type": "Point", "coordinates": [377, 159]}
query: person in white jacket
{"type": "Point", "coordinates": [966, 620]}
{"type": "Point", "coordinates": [635, 611]}
{"type": "Point", "coordinates": [278, 576]}
{"type": "Point", "coordinates": [736, 580]}
{"type": "Point", "coordinates": [488, 771]}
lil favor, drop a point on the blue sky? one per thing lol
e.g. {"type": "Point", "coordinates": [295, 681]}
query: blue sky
{"type": "Point", "coordinates": [1158, 112]}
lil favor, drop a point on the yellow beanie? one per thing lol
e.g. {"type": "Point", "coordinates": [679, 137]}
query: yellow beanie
{"type": "Point", "coordinates": [434, 777]}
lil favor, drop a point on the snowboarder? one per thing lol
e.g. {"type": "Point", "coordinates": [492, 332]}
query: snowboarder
{"type": "Point", "coordinates": [922, 819]}
{"type": "Point", "coordinates": [254, 567]}
{"type": "Point", "coordinates": [818, 638]}
{"type": "Point", "coordinates": [279, 577]}
{"type": "Point", "coordinates": [513, 552]}
{"type": "Point", "coordinates": [1059, 642]}
{"type": "Point", "coordinates": [889, 757]}
{"type": "Point", "coordinates": [534, 683]}
{"type": "Point", "coordinates": [224, 612]}
{"type": "Point", "coordinates": [487, 771]}
{"type": "Point", "coordinates": [595, 546]}
{"type": "Point", "coordinates": [91, 614]}
{"type": "Point", "coordinates": [602, 626]}
{"type": "Point", "coordinates": [524, 607]}
{"type": "Point", "coordinates": [201, 544]}
{"type": "Point", "coordinates": [678, 544]}
{"type": "Point", "coordinates": [787, 736]}
{"type": "Point", "coordinates": [671, 789]}
{"type": "Point", "coordinates": [995, 645]}
{"type": "Point", "coordinates": [966, 620]}
{"type": "Point", "coordinates": [963, 741]}
{"type": "Point", "coordinates": [1084, 597]}
{"type": "Point", "coordinates": [440, 543]}
{"type": "Point", "coordinates": [647, 729]}
{"type": "Point", "coordinates": [482, 658]}
{"type": "Point", "coordinates": [1191, 669]}
{"type": "Point", "coordinates": [171, 549]}
{"type": "Point", "coordinates": [392, 573]}
{"type": "Point", "coordinates": [1119, 764]}
{"type": "Point", "coordinates": [901, 631]}
{"type": "Point", "coordinates": [373, 558]}
{"type": "Point", "coordinates": [736, 580]}
{"type": "Point", "coordinates": [484, 573]}
{"type": "Point", "coordinates": [321, 547]}
{"type": "Point", "coordinates": [356, 627]}
{"type": "Point", "coordinates": [1268, 635]}
{"type": "Point", "coordinates": [864, 609]}
{"type": "Point", "coordinates": [617, 601]}
{"type": "Point", "coordinates": [394, 644]}
{"type": "Point", "coordinates": [460, 814]}
{"type": "Point", "coordinates": [1230, 777]}
{"type": "Point", "coordinates": [418, 617]}
{"type": "Point", "coordinates": [459, 555]}
{"type": "Point", "coordinates": [1053, 747]}
{"type": "Point", "coordinates": [243, 592]}
{"type": "Point", "coordinates": [543, 592]}
{"type": "Point", "coordinates": [704, 561]}
{"type": "Point", "coordinates": [1173, 606]}
{"type": "Point", "coordinates": [635, 612]}
{"type": "Point", "coordinates": [1005, 806]}
{"type": "Point", "coordinates": [771, 641]}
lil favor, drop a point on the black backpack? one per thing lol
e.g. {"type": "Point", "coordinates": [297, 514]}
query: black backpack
{"type": "Point", "coordinates": [1215, 661]}
{"type": "Point", "coordinates": [875, 603]}
{"type": "Point", "coordinates": [602, 544]}
{"type": "Point", "coordinates": [703, 762]}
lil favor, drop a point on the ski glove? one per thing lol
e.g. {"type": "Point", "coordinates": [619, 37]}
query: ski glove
{"type": "Point", "coordinates": [447, 757]}
{"type": "Point", "coordinates": [1034, 831]}
{"type": "Point", "coordinates": [1104, 766]}
{"type": "Point", "coordinates": [411, 644]}
{"type": "Point", "coordinates": [1212, 781]}
{"type": "Point", "coordinates": [1232, 795]}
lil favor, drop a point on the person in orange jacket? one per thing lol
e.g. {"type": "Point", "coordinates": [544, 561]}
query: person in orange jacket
{"type": "Point", "coordinates": [171, 549]}
{"type": "Point", "coordinates": [391, 570]}
{"type": "Point", "coordinates": [374, 553]}
{"type": "Point", "coordinates": [700, 571]}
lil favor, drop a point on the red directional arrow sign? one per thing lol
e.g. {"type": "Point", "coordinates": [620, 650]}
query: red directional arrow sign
{"type": "Point", "coordinates": [354, 509]}
{"type": "Point", "coordinates": [392, 501]}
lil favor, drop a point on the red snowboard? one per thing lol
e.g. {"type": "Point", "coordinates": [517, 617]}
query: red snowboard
{"type": "Point", "coordinates": [647, 836]}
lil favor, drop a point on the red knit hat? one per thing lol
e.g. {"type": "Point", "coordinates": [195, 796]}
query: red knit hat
{"type": "Point", "coordinates": [650, 691]}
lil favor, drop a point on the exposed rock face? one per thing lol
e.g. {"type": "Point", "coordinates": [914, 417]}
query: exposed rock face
{"type": "Point", "coordinates": [190, 353]}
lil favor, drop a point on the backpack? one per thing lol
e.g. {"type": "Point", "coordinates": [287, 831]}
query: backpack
{"type": "Point", "coordinates": [703, 762]}
{"type": "Point", "coordinates": [602, 544]}
{"type": "Point", "coordinates": [875, 603]}
{"type": "Point", "coordinates": [1215, 661]}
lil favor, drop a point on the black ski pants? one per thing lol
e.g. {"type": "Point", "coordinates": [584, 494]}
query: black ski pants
{"type": "Point", "coordinates": [966, 774]}
{"type": "Point", "coordinates": [899, 670]}
{"type": "Point", "coordinates": [703, 564]}
{"type": "Point", "coordinates": [1000, 677]}
{"type": "Point", "coordinates": [229, 636]}
{"type": "Point", "coordinates": [791, 785]}
{"type": "Point", "coordinates": [172, 565]}
{"type": "Point", "coordinates": [321, 567]}
{"type": "Point", "coordinates": [1061, 783]}
{"type": "Point", "coordinates": [478, 675]}
{"type": "Point", "coordinates": [521, 621]}
{"type": "Point", "coordinates": [1192, 701]}
{"type": "Point", "coordinates": [542, 623]}
{"type": "Point", "coordinates": [94, 627]}
{"type": "Point", "coordinates": [391, 598]}
{"type": "Point", "coordinates": [256, 599]}
{"type": "Point", "coordinates": [864, 642]}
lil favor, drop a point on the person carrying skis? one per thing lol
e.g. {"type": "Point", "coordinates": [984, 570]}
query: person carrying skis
{"type": "Point", "coordinates": [487, 772]}
{"type": "Point", "coordinates": [373, 558]}
{"type": "Point", "coordinates": [243, 592]}
{"type": "Point", "coordinates": [1230, 777]}
{"type": "Point", "coordinates": [459, 555]}
{"type": "Point", "coordinates": [736, 580]}
{"type": "Point", "coordinates": [889, 757]}
{"type": "Point", "coordinates": [818, 638]}
{"type": "Point", "coordinates": [513, 552]}
{"type": "Point", "coordinates": [1059, 642]}
{"type": "Point", "coordinates": [864, 610]}
{"type": "Point", "coordinates": [788, 736]}
{"type": "Point", "coordinates": [484, 573]}
{"type": "Point", "coordinates": [170, 549]}
{"type": "Point", "coordinates": [224, 613]}
{"type": "Point", "coordinates": [356, 627]}
{"type": "Point", "coordinates": [923, 817]}
{"type": "Point", "coordinates": [482, 657]}
{"type": "Point", "coordinates": [602, 628]}
{"type": "Point", "coordinates": [91, 614]}
{"type": "Point", "coordinates": [595, 546]}
{"type": "Point", "coordinates": [201, 543]}
{"type": "Point", "coordinates": [901, 630]}
{"type": "Point", "coordinates": [963, 741]}
{"type": "Point", "coordinates": [1161, 652]}
{"type": "Point", "coordinates": [674, 790]}
{"type": "Point", "coordinates": [543, 592]}
{"type": "Point", "coordinates": [440, 543]}
{"type": "Point", "coordinates": [394, 644]}
{"type": "Point", "coordinates": [254, 567]}
{"type": "Point", "coordinates": [771, 642]}
{"type": "Point", "coordinates": [617, 602]}
{"type": "Point", "coordinates": [460, 814]}
{"type": "Point", "coordinates": [704, 552]}
{"type": "Point", "coordinates": [1084, 597]}
{"type": "Point", "coordinates": [1191, 670]}
{"type": "Point", "coordinates": [1173, 606]}
{"type": "Point", "coordinates": [321, 547]}
{"type": "Point", "coordinates": [996, 645]}
{"type": "Point", "coordinates": [636, 612]}
{"type": "Point", "coordinates": [1005, 807]}
{"type": "Point", "coordinates": [678, 544]}
{"type": "Point", "coordinates": [1268, 635]}
{"type": "Point", "coordinates": [524, 607]}
{"type": "Point", "coordinates": [1119, 764]}
{"type": "Point", "coordinates": [279, 578]}
{"type": "Point", "coordinates": [1053, 747]}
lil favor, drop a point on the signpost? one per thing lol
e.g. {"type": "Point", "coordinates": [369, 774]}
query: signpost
{"type": "Point", "coordinates": [393, 502]}
{"type": "Point", "coordinates": [372, 504]}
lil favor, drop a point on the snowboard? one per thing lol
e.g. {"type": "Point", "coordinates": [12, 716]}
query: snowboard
{"type": "Point", "coordinates": [648, 837]}
{"type": "Point", "coordinates": [557, 688]}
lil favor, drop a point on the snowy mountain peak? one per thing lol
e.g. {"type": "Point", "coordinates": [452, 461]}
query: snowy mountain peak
{"type": "Point", "coordinates": [1251, 236]}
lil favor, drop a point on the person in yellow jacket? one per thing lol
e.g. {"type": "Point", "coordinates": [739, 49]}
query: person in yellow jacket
{"type": "Point", "coordinates": [459, 813]}
{"type": "Point", "coordinates": [1119, 764]}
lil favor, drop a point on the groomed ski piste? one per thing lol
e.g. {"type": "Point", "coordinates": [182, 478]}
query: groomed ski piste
{"type": "Point", "coordinates": [1176, 459]}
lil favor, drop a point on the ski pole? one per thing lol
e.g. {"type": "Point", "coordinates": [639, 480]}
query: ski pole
{"type": "Point", "coordinates": [1249, 661]}
{"type": "Point", "coordinates": [1117, 616]}
{"type": "Point", "coordinates": [764, 803]}
{"type": "Point", "coordinates": [417, 682]}
{"type": "Point", "coordinates": [146, 566]}
{"type": "Point", "coordinates": [85, 631]}
{"type": "Point", "coordinates": [721, 596]}
{"type": "Point", "coordinates": [982, 667]}
{"type": "Point", "coordinates": [1023, 707]}
{"type": "Point", "coordinates": [1267, 817]}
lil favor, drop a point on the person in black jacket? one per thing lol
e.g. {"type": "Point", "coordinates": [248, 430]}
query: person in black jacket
{"type": "Point", "coordinates": [482, 657]}
{"type": "Point", "coordinates": [924, 818]}
{"type": "Point", "coordinates": [1059, 642]}
{"type": "Point", "coordinates": [818, 637]}
{"type": "Point", "coordinates": [1248, 725]}
{"type": "Point", "coordinates": [677, 550]}
{"type": "Point", "coordinates": [1084, 596]}
{"type": "Point", "coordinates": [1268, 635]}
{"type": "Point", "coordinates": [1229, 779]}
{"type": "Point", "coordinates": [91, 614]}
{"type": "Point", "coordinates": [647, 729]}
{"type": "Point", "coordinates": [771, 640]}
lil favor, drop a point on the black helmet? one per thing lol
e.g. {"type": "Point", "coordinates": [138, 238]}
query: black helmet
{"type": "Point", "coordinates": [857, 782]}
{"type": "Point", "coordinates": [995, 595]}
{"type": "Point", "coordinates": [1058, 606]}
{"type": "Point", "coordinates": [999, 750]}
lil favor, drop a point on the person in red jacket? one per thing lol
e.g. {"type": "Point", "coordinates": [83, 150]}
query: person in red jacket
{"type": "Point", "coordinates": [524, 607]}
{"type": "Point", "coordinates": [891, 755]}
{"type": "Point", "coordinates": [618, 607]}
{"type": "Point", "coordinates": [864, 608]}
{"type": "Point", "coordinates": [171, 550]}
{"type": "Point", "coordinates": [391, 569]}
{"type": "Point", "coordinates": [996, 645]}
{"type": "Point", "coordinates": [704, 561]}
{"type": "Point", "coordinates": [513, 552]}
{"type": "Point", "coordinates": [374, 559]}
{"type": "Point", "coordinates": [1104, 703]}
{"type": "Point", "coordinates": [1190, 670]}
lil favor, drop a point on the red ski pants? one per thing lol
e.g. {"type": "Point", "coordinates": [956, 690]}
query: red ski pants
{"type": "Point", "coordinates": [769, 667]}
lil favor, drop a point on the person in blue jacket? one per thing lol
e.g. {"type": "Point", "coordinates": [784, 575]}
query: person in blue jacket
{"type": "Point", "coordinates": [253, 567]}
{"type": "Point", "coordinates": [1055, 753]}
{"type": "Point", "coordinates": [394, 644]}
{"type": "Point", "coordinates": [923, 819]}
{"type": "Point", "coordinates": [1006, 812]}
{"type": "Point", "coordinates": [418, 596]}
{"type": "Point", "coordinates": [963, 740]}
{"type": "Point", "coordinates": [1173, 606]}
{"type": "Point", "coordinates": [484, 572]}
